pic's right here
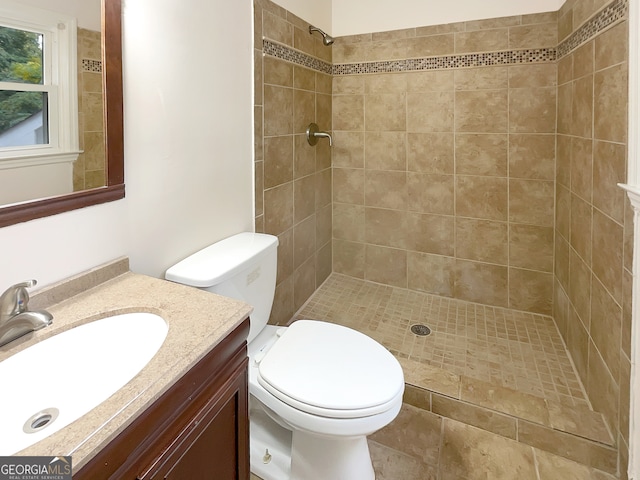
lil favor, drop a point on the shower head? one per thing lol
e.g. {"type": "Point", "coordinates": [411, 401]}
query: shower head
{"type": "Point", "coordinates": [326, 39]}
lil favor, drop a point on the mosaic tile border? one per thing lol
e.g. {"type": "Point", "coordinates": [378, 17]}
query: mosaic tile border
{"type": "Point", "coordinates": [93, 66]}
{"type": "Point", "coordinates": [295, 56]}
{"type": "Point", "coordinates": [611, 14]}
{"type": "Point", "coordinates": [608, 16]}
{"type": "Point", "coordinates": [508, 57]}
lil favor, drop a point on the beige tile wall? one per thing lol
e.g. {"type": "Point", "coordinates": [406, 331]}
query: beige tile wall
{"type": "Point", "coordinates": [293, 179]}
{"type": "Point", "coordinates": [447, 181]}
{"type": "Point", "coordinates": [443, 181]}
{"type": "Point", "coordinates": [89, 171]}
{"type": "Point", "coordinates": [593, 244]}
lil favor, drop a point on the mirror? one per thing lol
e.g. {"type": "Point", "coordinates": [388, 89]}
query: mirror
{"type": "Point", "coordinates": [113, 132]}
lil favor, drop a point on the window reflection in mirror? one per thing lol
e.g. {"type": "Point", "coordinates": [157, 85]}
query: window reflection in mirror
{"type": "Point", "coordinates": [23, 114]}
{"type": "Point", "coordinates": [52, 139]}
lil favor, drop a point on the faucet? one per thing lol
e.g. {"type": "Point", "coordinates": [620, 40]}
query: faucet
{"type": "Point", "coordinates": [313, 133]}
{"type": "Point", "coordinates": [15, 317]}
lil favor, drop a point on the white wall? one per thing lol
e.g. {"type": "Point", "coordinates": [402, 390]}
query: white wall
{"type": "Point", "coordinates": [350, 17]}
{"type": "Point", "coordinates": [87, 12]}
{"type": "Point", "coordinates": [188, 149]}
{"type": "Point", "coordinates": [189, 126]}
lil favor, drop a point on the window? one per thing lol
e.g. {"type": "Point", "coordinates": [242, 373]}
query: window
{"type": "Point", "coordinates": [38, 87]}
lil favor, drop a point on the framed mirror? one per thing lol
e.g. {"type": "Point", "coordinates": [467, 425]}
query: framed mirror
{"type": "Point", "coordinates": [113, 135]}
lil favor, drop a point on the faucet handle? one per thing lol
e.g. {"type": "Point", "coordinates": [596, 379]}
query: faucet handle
{"type": "Point", "coordinates": [14, 299]}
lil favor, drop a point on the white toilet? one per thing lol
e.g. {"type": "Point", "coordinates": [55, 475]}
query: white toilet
{"type": "Point", "coordinates": [316, 389]}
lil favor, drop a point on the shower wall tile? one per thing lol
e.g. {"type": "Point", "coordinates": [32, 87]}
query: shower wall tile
{"type": "Point", "coordinates": [431, 233]}
{"type": "Point", "coordinates": [277, 72]}
{"type": "Point", "coordinates": [304, 241]}
{"type": "Point", "coordinates": [304, 157]}
{"type": "Point", "coordinates": [582, 167]}
{"type": "Point", "coordinates": [431, 273]}
{"type": "Point", "coordinates": [385, 112]}
{"type": "Point", "coordinates": [304, 199]}
{"type": "Point", "coordinates": [348, 258]}
{"type": "Point", "coordinates": [348, 185]}
{"type": "Point", "coordinates": [451, 156]}
{"type": "Point", "coordinates": [543, 35]}
{"type": "Point", "coordinates": [532, 156]}
{"type": "Point", "coordinates": [481, 111]}
{"type": "Point", "coordinates": [278, 160]}
{"type": "Point", "coordinates": [610, 104]}
{"type": "Point", "coordinates": [482, 240]}
{"type": "Point", "coordinates": [580, 288]}
{"type": "Point", "coordinates": [531, 247]}
{"type": "Point", "coordinates": [386, 151]}
{"type": "Point", "coordinates": [481, 283]}
{"type": "Point", "coordinates": [385, 189]}
{"type": "Point", "coordinates": [305, 79]}
{"type": "Point", "coordinates": [609, 169]}
{"type": "Point", "coordinates": [482, 40]}
{"type": "Point", "coordinates": [532, 110]}
{"type": "Point", "coordinates": [348, 222]}
{"type": "Point", "coordinates": [278, 110]}
{"type": "Point", "coordinates": [581, 214]}
{"type": "Point", "coordinates": [530, 290]}
{"type": "Point", "coordinates": [531, 202]}
{"type": "Point", "coordinates": [482, 197]}
{"type": "Point", "coordinates": [430, 193]}
{"type": "Point", "coordinates": [348, 150]}
{"type": "Point", "coordinates": [386, 227]}
{"type": "Point", "coordinates": [425, 162]}
{"type": "Point", "coordinates": [430, 113]}
{"type": "Point", "coordinates": [348, 112]}
{"type": "Point", "coordinates": [591, 223]}
{"type": "Point", "coordinates": [611, 47]}
{"type": "Point", "coordinates": [293, 179]}
{"type": "Point", "coordinates": [386, 265]}
{"type": "Point", "coordinates": [431, 45]}
{"type": "Point", "coordinates": [606, 322]}
{"type": "Point", "coordinates": [608, 242]}
{"type": "Point", "coordinates": [429, 153]}
{"type": "Point", "coordinates": [482, 154]}
{"type": "Point", "coordinates": [533, 76]}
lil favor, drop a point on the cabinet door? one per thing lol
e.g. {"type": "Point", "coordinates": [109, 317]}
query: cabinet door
{"type": "Point", "coordinates": [212, 446]}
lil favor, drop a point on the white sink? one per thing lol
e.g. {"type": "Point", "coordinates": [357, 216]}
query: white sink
{"type": "Point", "coordinates": [52, 383]}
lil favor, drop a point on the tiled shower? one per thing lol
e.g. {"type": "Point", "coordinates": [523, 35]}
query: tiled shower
{"type": "Point", "coordinates": [476, 161]}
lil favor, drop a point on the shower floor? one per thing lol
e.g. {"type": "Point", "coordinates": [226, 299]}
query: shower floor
{"type": "Point", "coordinates": [518, 350]}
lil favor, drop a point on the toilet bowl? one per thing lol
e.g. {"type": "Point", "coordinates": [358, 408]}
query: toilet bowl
{"type": "Point", "coordinates": [316, 389]}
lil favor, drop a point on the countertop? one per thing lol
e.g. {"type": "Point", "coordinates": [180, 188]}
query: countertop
{"type": "Point", "coordinates": [197, 321]}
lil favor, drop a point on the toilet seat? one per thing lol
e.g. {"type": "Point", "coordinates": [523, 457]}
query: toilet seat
{"type": "Point", "coordinates": [311, 368]}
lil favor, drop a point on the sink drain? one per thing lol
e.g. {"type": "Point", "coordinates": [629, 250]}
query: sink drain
{"type": "Point", "coordinates": [40, 420]}
{"type": "Point", "coordinates": [420, 330]}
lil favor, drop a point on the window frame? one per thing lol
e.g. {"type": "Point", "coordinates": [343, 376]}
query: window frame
{"type": "Point", "coordinates": [59, 82]}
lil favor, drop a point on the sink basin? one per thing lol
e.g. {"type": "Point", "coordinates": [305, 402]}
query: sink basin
{"type": "Point", "coordinates": [52, 383]}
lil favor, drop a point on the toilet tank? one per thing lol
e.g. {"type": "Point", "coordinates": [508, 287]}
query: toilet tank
{"type": "Point", "coordinates": [243, 267]}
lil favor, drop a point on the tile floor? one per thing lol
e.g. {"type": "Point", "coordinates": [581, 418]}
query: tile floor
{"type": "Point", "coordinates": [420, 445]}
{"type": "Point", "coordinates": [472, 350]}
{"type": "Point", "coordinates": [518, 350]}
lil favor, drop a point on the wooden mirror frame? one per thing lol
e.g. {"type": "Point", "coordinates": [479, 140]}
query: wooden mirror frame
{"type": "Point", "coordinates": [114, 134]}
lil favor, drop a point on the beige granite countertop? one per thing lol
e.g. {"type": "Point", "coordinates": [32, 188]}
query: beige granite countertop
{"type": "Point", "coordinates": [197, 321]}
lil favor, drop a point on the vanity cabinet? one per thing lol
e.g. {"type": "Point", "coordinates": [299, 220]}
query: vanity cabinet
{"type": "Point", "coordinates": [197, 430]}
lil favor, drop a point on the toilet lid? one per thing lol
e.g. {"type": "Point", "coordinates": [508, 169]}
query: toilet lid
{"type": "Point", "coordinates": [317, 366]}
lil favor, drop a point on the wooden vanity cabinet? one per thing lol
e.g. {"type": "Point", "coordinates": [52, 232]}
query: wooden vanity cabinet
{"type": "Point", "coordinates": [197, 430]}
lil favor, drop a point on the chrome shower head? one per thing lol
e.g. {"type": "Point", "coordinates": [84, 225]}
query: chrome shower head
{"type": "Point", "coordinates": [326, 39]}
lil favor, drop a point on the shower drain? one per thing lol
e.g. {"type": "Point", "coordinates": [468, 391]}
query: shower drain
{"type": "Point", "coordinates": [40, 420]}
{"type": "Point", "coordinates": [420, 330]}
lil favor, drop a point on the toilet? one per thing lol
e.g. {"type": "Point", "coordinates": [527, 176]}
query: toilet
{"type": "Point", "coordinates": [316, 389]}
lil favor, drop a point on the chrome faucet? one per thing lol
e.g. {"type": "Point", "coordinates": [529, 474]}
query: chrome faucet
{"type": "Point", "coordinates": [15, 317]}
{"type": "Point", "coordinates": [313, 133]}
